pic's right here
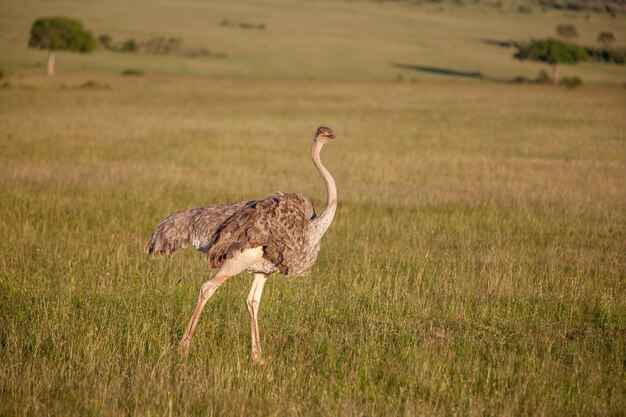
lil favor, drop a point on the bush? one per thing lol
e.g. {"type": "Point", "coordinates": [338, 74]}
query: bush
{"type": "Point", "coordinates": [543, 77]}
{"type": "Point", "coordinates": [132, 72]}
{"type": "Point", "coordinates": [571, 82]}
{"type": "Point", "coordinates": [129, 46]}
{"type": "Point", "coordinates": [161, 46]}
{"type": "Point", "coordinates": [567, 31]}
{"type": "Point", "coordinates": [105, 40]}
{"type": "Point", "coordinates": [606, 38]}
{"type": "Point", "coordinates": [94, 85]}
{"type": "Point", "coordinates": [607, 55]}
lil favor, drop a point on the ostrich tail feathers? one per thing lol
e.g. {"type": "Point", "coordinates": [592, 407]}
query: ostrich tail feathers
{"type": "Point", "coordinates": [171, 234]}
{"type": "Point", "coordinates": [196, 227]}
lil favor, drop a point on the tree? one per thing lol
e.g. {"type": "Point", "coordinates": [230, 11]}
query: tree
{"type": "Point", "coordinates": [606, 38]}
{"type": "Point", "coordinates": [553, 52]}
{"type": "Point", "coordinates": [567, 31]}
{"type": "Point", "coordinates": [60, 34]}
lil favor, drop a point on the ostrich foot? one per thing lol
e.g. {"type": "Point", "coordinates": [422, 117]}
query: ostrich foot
{"type": "Point", "coordinates": [183, 346]}
{"type": "Point", "coordinates": [258, 358]}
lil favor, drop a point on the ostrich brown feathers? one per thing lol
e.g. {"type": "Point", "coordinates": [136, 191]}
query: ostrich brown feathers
{"type": "Point", "coordinates": [195, 226]}
{"type": "Point", "coordinates": [279, 224]}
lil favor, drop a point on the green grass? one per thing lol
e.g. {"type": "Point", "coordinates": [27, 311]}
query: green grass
{"type": "Point", "coordinates": [321, 39]}
{"type": "Point", "coordinates": [476, 265]}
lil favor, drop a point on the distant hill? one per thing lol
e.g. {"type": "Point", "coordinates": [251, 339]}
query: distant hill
{"type": "Point", "coordinates": [424, 41]}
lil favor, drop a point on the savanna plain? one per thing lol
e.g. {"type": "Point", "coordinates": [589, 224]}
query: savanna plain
{"type": "Point", "coordinates": [476, 264]}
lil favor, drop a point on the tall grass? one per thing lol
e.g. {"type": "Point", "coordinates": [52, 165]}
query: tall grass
{"type": "Point", "coordinates": [476, 265]}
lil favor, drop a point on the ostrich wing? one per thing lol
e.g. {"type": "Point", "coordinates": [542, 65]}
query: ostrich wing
{"type": "Point", "coordinates": [278, 223]}
{"type": "Point", "coordinates": [196, 226]}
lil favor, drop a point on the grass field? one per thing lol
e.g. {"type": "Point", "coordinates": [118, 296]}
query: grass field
{"type": "Point", "coordinates": [476, 265]}
{"type": "Point", "coordinates": [318, 39]}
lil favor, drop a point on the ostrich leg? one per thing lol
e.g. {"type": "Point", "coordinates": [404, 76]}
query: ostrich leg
{"type": "Point", "coordinates": [229, 268]}
{"type": "Point", "coordinates": [253, 301]}
{"type": "Point", "coordinates": [206, 291]}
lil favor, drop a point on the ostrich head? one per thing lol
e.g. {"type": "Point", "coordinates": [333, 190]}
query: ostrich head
{"type": "Point", "coordinates": [324, 134]}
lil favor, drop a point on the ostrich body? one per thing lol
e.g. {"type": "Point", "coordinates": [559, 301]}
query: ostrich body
{"type": "Point", "coordinates": [281, 233]}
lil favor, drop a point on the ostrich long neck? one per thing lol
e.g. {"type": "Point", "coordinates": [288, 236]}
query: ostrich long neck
{"type": "Point", "coordinates": [321, 223]}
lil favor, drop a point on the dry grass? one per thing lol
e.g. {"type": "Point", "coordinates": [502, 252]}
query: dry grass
{"type": "Point", "coordinates": [321, 39]}
{"type": "Point", "coordinates": [476, 265]}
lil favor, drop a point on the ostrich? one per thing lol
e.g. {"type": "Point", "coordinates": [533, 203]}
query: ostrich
{"type": "Point", "coordinates": [281, 233]}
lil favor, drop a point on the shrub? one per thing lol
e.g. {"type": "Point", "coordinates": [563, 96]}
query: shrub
{"type": "Point", "coordinates": [132, 72]}
{"type": "Point", "coordinates": [606, 38]}
{"type": "Point", "coordinates": [567, 31]}
{"type": "Point", "coordinates": [129, 46]}
{"type": "Point", "coordinates": [571, 82]}
{"type": "Point", "coordinates": [607, 55]}
{"type": "Point", "coordinates": [542, 77]}
{"type": "Point", "coordinates": [105, 40]}
{"type": "Point", "coordinates": [94, 85]}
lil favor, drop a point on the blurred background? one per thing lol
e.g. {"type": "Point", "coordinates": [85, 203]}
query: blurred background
{"type": "Point", "coordinates": [329, 40]}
